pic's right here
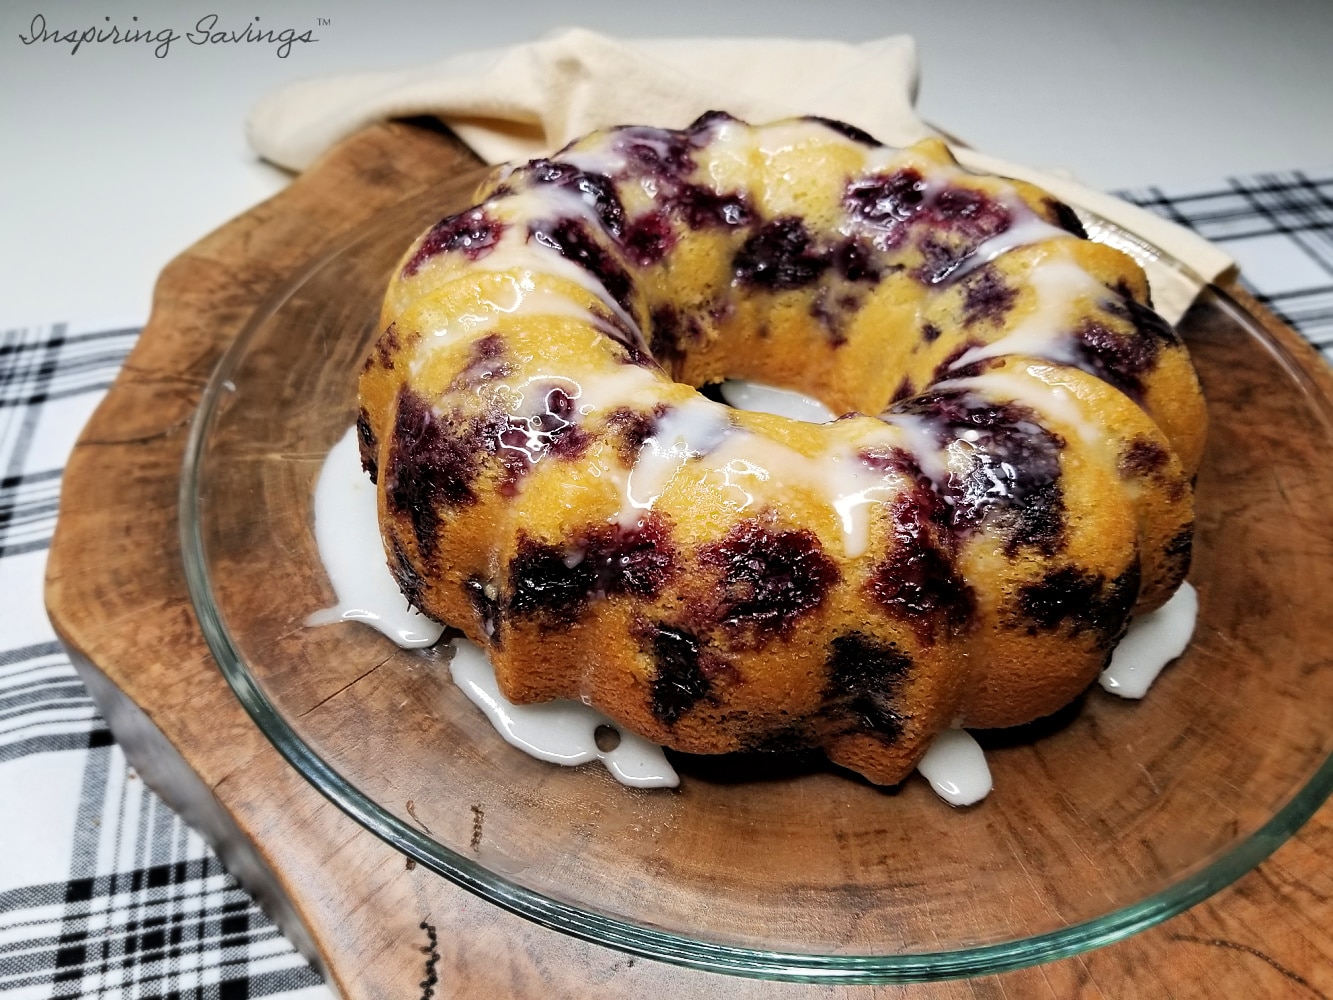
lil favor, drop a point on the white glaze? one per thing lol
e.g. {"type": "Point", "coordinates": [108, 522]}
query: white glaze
{"type": "Point", "coordinates": [782, 138]}
{"type": "Point", "coordinates": [628, 386]}
{"type": "Point", "coordinates": [730, 146]}
{"type": "Point", "coordinates": [1057, 284]}
{"type": "Point", "coordinates": [1041, 390]}
{"type": "Point", "coordinates": [595, 161]}
{"type": "Point", "coordinates": [760, 398]}
{"type": "Point", "coordinates": [956, 768]}
{"type": "Point", "coordinates": [698, 432]}
{"type": "Point", "coordinates": [690, 430]}
{"type": "Point", "coordinates": [771, 469]}
{"type": "Point", "coordinates": [1153, 641]}
{"type": "Point", "coordinates": [562, 732]}
{"type": "Point", "coordinates": [854, 490]}
{"type": "Point", "coordinates": [519, 270]}
{"type": "Point", "coordinates": [515, 252]}
{"type": "Point", "coordinates": [1025, 228]}
{"type": "Point", "coordinates": [921, 442]}
{"type": "Point", "coordinates": [529, 299]}
{"type": "Point", "coordinates": [347, 531]}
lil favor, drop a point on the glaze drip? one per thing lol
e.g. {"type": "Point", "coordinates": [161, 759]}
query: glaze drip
{"type": "Point", "coordinates": [985, 458]}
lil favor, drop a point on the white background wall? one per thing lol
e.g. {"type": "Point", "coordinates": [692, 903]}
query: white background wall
{"type": "Point", "coordinates": [113, 161]}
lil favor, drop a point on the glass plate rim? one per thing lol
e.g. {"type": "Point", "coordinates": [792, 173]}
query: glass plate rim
{"type": "Point", "coordinates": [666, 946]}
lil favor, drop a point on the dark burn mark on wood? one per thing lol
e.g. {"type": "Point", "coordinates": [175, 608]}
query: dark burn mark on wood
{"type": "Point", "coordinates": [472, 233]}
{"type": "Point", "coordinates": [1079, 601]}
{"type": "Point", "coordinates": [412, 811]}
{"type": "Point", "coordinates": [769, 579]}
{"type": "Point", "coordinates": [478, 819]}
{"type": "Point", "coordinates": [555, 583]}
{"type": "Point", "coordinates": [864, 676]}
{"type": "Point", "coordinates": [780, 256]}
{"type": "Point", "coordinates": [431, 949]}
{"type": "Point", "coordinates": [367, 445]}
{"type": "Point", "coordinates": [679, 681]}
{"type": "Point", "coordinates": [1246, 949]}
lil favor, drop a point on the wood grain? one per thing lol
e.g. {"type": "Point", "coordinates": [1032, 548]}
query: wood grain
{"type": "Point", "coordinates": [377, 926]}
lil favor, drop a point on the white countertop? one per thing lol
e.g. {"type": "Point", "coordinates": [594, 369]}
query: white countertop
{"type": "Point", "coordinates": [117, 160]}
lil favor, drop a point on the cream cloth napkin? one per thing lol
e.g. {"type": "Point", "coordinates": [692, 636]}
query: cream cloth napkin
{"type": "Point", "coordinates": [528, 100]}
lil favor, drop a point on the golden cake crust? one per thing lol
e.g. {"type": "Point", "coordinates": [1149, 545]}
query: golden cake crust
{"type": "Point", "coordinates": [1010, 479]}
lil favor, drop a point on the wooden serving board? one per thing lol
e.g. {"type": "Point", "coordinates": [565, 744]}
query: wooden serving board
{"type": "Point", "coordinates": [373, 923]}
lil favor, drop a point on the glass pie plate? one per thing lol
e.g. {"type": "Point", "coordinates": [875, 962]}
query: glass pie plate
{"type": "Point", "coordinates": [1103, 821]}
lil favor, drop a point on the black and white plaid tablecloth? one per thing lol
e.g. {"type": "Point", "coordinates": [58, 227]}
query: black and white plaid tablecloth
{"type": "Point", "coordinates": [103, 890]}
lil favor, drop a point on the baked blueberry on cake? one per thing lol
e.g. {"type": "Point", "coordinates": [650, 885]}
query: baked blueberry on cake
{"type": "Point", "coordinates": [1009, 479]}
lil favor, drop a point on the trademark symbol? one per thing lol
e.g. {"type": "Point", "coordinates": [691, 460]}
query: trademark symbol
{"type": "Point", "coordinates": [324, 22]}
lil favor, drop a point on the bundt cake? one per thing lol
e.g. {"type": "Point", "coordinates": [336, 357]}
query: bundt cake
{"type": "Point", "coordinates": [1010, 477]}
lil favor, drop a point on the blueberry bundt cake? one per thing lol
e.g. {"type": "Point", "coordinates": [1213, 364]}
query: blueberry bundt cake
{"type": "Point", "coordinates": [1009, 480]}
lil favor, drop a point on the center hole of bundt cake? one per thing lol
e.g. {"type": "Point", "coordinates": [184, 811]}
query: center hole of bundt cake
{"type": "Point", "coordinates": [742, 394]}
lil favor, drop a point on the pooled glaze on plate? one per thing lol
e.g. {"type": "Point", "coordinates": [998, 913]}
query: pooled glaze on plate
{"type": "Point", "coordinates": [564, 732]}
